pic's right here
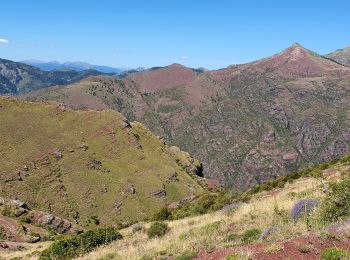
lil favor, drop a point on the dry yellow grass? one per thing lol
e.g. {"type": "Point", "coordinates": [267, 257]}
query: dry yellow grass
{"type": "Point", "coordinates": [30, 251]}
{"type": "Point", "coordinates": [211, 230]}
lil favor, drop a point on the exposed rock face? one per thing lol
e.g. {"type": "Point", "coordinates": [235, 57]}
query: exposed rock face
{"type": "Point", "coordinates": [159, 193]}
{"type": "Point", "coordinates": [177, 204]}
{"type": "Point", "coordinates": [291, 156]}
{"type": "Point", "coordinates": [58, 224]}
{"type": "Point", "coordinates": [57, 153]}
{"type": "Point", "coordinates": [241, 122]}
{"type": "Point", "coordinates": [131, 188]}
{"type": "Point", "coordinates": [172, 178]}
{"type": "Point", "coordinates": [18, 208]}
{"type": "Point", "coordinates": [95, 164]}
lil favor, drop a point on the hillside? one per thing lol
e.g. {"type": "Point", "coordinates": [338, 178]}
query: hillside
{"type": "Point", "coordinates": [247, 123]}
{"type": "Point", "coordinates": [295, 220]}
{"type": "Point", "coordinates": [342, 56]}
{"type": "Point", "coordinates": [17, 77]}
{"type": "Point", "coordinates": [304, 215]}
{"type": "Point", "coordinates": [86, 165]}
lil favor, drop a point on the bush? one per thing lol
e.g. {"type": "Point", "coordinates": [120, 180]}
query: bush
{"type": "Point", "coordinates": [273, 249]}
{"type": "Point", "coordinates": [187, 255]}
{"type": "Point", "coordinates": [232, 237]}
{"type": "Point", "coordinates": [78, 245]}
{"type": "Point", "coordinates": [24, 219]}
{"type": "Point", "coordinates": [206, 203]}
{"type": "Point", "coordinates": [250, 235]}
{"type": "Point", "coordinates": [162, 215]}
{"type": "Point", "coordinates": [157, 229]}
{"type": "Point", "coordinates": [2, 233]}
{"type": "Point", "coordinates": [34, 234]}
{"type": "Point", "coordinates": [95, 220]}
{"type": "Point", "coordinates": [137, 228]}
{"type": "Point", "coordinates": [336, 205]}
{"type": "Point", "coordinates": [334, 253]}
{"type": "Point", "coordinates": [8, 211]}
{"type": "Point", "coordinates": [303, 208]}
{"type": "Point", "coordinates": [305, 249]}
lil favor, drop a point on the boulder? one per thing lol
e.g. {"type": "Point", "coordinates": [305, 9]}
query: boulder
{"type": "Point", "coordinates": [57, 153]}
{"type": "Point", "coordinates": [131, 189]}
{"type": "Point", "coordinates": [159, 193]}
{"type": "Point", "coordinates": [172, 178]}
{"type": "Point", "coordinates": [291, 156]}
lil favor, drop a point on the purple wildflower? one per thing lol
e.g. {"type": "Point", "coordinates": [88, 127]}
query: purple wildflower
{"type": "Point", "coordinates": [267, 232]}
{"type": "Point", "coordinates": [302, 208]}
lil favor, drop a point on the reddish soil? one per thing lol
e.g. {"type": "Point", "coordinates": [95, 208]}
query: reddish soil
{"type": "Point", "coordinates": [163, 78]}
{"type": "Point", "coordinates": [289, 249]}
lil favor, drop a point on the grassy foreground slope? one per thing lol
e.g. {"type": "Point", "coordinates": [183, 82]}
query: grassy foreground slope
{"type": "Point", "coordinates": [86, 166]}
{"type": "Point", "coordinates": [269, 226]}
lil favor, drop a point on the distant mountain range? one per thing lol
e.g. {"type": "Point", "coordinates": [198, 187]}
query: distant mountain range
{"type": "Point", "coordinates": [16, 77]}
{"type": "Point", "coordinates": [76, 65]}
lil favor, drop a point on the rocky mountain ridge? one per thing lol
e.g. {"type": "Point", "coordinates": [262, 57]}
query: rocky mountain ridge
{"type": "Point", "coordinates": [247, 123]}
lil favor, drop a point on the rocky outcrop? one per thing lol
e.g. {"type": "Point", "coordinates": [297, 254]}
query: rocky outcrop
{"type": "Point", "coordinates": [158, 193]}
{"type": "Point", "coordinates": [17, 208]}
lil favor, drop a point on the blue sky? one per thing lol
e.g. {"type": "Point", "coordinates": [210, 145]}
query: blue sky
{"type": "Point", "coordinates": [211, 34]}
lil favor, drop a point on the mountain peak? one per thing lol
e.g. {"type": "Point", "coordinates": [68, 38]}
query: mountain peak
{"type": "Point", "coordinates": [176, 65]}
{"type": "Point", "coordinates": [341, 55]}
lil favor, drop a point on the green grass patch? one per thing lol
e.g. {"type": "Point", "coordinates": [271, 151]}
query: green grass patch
{"type": "Point", "coordinates": [74, 246]}
{"type": "Point", "coordinates": [157, 229]}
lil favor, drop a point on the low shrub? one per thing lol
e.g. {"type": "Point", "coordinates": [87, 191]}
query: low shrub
{"type": "Point", "coordinates": [334, 253]}
{"type": "Point", "coordinates": [8, 211]}
{"type": "Point", "coordinates": [162, 215]}
{"type": "Point", "coordinates": [303, 208]}
{"type": "Point", "coordinates": [187, 255]}
{"type": "Point", "coordinates": [24, 219]}
{"type": "Point", "coordinates": [232, 237]}
{"type": "Point", "coordinates": [95, 220]}
{"type": "Point", "coordinates": [250, 235]}
{"type": "Point", "coordinates": [306, 249]}
{"type": "Point", "coordinates": [34, 234]}
{"type": "Point", "coordinates": [206, 203]}
{"type": "Point", "coordinates": [137, 228]}
{"type": "Point", "coordinates": [2, 233]}
{"type": "Point", "coordinates": [273, 249]}
{"type": "Point", "coordinates": [77, 245]}
{"type": "Point", "coordinates": [157, 229]}
{"type": "Point", "coordinates": [336, 205]}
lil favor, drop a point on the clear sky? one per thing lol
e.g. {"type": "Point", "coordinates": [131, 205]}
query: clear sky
{"type": "Point", "coordinates": [211, 34]}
